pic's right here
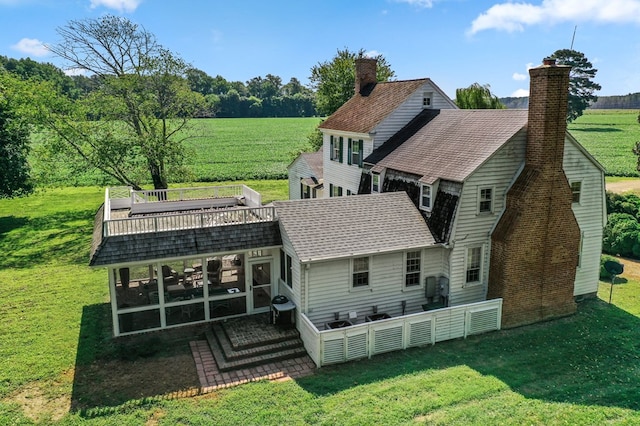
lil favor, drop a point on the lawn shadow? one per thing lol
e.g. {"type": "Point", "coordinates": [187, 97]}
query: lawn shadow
{"type": "Point", "coordinates": [597, 130]}
{"type": "Point", "coordinates": [131, 370]}
{"type": "Point", "coordinates": [590, 358]}
{"type": "Point", "coordinates": [60, 237]}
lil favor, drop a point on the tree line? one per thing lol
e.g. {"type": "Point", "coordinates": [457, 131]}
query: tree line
{"type": "Point", "coordinates": [259, 97]}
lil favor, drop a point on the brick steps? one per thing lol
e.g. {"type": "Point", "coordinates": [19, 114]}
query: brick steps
{"type": "Point", "coordinates": [272, 350]}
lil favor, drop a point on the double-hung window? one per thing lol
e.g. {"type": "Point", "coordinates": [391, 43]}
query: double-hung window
{"type": "Point", "coordinates": [485, 200]}
{"type": "Point", "coordinates": [375, 182]}
{"type": "Point", "coordinates": [360, 272]}
{"type": "Point", "coordinates": [335, 190]}
{"type": "Point", "coordinates": [355, 152]}
{"type": "Point", "coordinates": [426, 197]}
{"type": "Point", "coordinates": [474, 264]}
{"type": "Point", "coordinates": [412, 269]}
{"type": "Point", "coordinates": [576, 189]}
{"type": "Point", "coordinates": [286, 270]}
{"type": "Point", "coordinates": [335, 148]}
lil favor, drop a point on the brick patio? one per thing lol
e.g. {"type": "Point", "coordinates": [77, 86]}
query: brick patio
{"type": "Point", "coordinates": [211, 378]}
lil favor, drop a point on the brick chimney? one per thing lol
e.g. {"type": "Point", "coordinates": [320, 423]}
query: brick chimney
{"type": "Point", "coordinates": [534, 248]}
{"type": "Point", "coordinates": [365, 73]}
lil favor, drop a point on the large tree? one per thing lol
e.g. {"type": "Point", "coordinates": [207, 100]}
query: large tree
{"type": "Point", "coordinates": [334, 81]}
{"type": "Point", "coordinates": [477, 96]}
{"type": "Point", "coordinates": [136, 118]}
{"type": "Point", "coordinates": [581, 84]}
{"type": "Point", "coordinates": [15, 178]}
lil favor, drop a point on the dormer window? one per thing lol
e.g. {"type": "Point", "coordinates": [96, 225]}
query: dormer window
{"type": "Point", "coordinates": [426, 197]}
{"type": "Point", "coordinates": [426, 100]}
{"type": "Point", "coordinates": [375, 182]}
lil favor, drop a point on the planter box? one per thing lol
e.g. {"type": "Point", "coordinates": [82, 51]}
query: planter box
{"type": "Point", "coordinates": [338, 324]}
{"type": "Point", "coordinates": [376, 317]}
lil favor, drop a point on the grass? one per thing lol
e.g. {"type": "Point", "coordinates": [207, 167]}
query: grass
{"type": "Point", "coordinates": [220, 149]}
{"type": "Point", "coordinates": [610, 135]}
{"type": "Point", "coordinates": [58, 363]}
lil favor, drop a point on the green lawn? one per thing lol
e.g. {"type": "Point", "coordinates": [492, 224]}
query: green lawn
{"type": "Point", "coordinates": [610, 135]}
{"type": "Point", "coordinates": [58, 363]}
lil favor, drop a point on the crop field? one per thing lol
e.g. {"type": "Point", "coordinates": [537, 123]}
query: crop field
{"type": "Point", "coordinates": [610, 135]}
{"type": "Point", "coordinates": [246, 148]}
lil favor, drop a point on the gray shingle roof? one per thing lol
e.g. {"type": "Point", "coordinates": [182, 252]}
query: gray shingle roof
{"type": "Point", "coordinates": [352, 226]}
{"type": "Point", "coordinates": [454, 143]}
{"type": "Point", "coordinates": [361, 114]}
{"type": "Point", "coordinates": [188, 242]}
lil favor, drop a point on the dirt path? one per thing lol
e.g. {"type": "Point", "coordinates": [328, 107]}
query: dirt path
{"type": "Point", "coordinates": [624, 186]}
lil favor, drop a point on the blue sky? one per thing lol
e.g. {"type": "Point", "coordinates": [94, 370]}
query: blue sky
{"type": "Point", "coordinates": [454, 42]}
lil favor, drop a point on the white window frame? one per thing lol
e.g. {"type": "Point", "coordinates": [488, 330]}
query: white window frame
{"type": "Point", "coordinates": [286, 268]}
{"type": "Point", "coordinates": [375, 189]}
{"type": "Point", "coordinates": [405, 262]}
{"type": "Point", "coordinates": [427, 100]}
{"type": "Point", "coordinates": [484, 200]}
{"type": "Point", "coordinates": [335, 151]}
{"type": "Point", "coordinates": [575, 192]}
{"type": "Point", "coordinates": [430, 197]}
{"type": "Point", "coordinates": [469, 252]}
{"type": "Point", "coordinates": [353, 272]}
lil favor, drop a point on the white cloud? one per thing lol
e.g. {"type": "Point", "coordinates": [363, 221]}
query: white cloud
{"type": "Point", "coordinates": [512, 17]}
{"type": "Point", "coordinates": [520, 93]}
{"type": "Point", "coordinates": [31, 46]}
{"type": "Point", "coordinates": [417, 3]}
{"type": "Point", "coordinates": [119, 5]}
{"type": "Point", "coordinates": [519, 77]}
{"type": "Point", "coordinates": [371, 54]}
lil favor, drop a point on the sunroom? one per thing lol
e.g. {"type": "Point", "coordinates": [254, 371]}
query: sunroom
{"type": "Point", "coordinates": [184, 256]}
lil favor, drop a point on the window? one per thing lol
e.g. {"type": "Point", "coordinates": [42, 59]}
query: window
{"type": "Point", "coordinates": [485, 200]}
{"type": "Point", "coordinates": [360, 272]}
{"type": "Point", "coordinates": [335, 151]}
{"type": "Point", "coordinates": [474, 264]}
{"type": "Point", "coordinates": [335, 191]}
{"type": "Point", "coordinates": [354, 155]}
{"type": "Point", "coordinates": [286, 271]}
{"type": "Point", "coordinates": [412, 269]}
{"type": "Point", "coordinates": [375, 182]}
{"type": "Point", "coordinates": [576, 189]}
{"type": "Point", "coordinates": [305, 191]}
{"type": "Point", "coordinates": [425, 197]}
{"type": "Point", "coordinates": [426, 100]}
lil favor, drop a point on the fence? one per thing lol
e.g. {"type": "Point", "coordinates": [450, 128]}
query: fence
{"type": "Point", "coordinates": [368, 339]}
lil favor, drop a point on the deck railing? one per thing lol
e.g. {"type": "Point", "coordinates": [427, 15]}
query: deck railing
{"type": "Point", "coordinates": [172, 222]}
{"type": "Point", "coordinates": [371, 338]}
{"type": "Point", "coordinates": [227, 199]}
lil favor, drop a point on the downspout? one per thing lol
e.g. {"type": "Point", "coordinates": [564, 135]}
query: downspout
{"type": "Point", "coordinates": [306, 288]}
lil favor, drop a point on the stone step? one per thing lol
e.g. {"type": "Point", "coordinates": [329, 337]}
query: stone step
{"type": "Point", "coordinates": [249, 361]}
{"type": "Point", "coordinates": [273, 345]}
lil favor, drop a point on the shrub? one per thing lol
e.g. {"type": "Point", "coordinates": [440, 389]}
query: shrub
{"type": "Point", "coordinates": [604, 274]}
{"type": "Point", "coordinates": [622, 236]}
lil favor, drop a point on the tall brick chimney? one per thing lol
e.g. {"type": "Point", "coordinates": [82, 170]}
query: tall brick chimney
{"type": "Point", "coordinates": [534, 248]}
{"type": "Point", "coordinates": [365, 72]}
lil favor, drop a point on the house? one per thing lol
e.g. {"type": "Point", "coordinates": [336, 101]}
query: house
{"type": "Point", "coordinates": [457, 222]}
{"type": "Point", "coordinates": [514, 200]}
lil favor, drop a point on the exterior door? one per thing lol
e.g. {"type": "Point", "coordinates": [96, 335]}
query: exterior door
{"type": "Point", "coordinates": [261, 281]}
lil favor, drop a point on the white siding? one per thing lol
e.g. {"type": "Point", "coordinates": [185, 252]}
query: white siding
{"type": "Point", "coordinates": [589, 214]}
{"type": "Point", "coordinates": [330, 288]}
{"type": "Point", "coordinates": [347, 176]}
{"type": "Point", "coordinates": [473, 229]}
{"type": "Point", "coordinates": [407, 111]}
{"type": "Point", "coordinates": [297, 170]}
